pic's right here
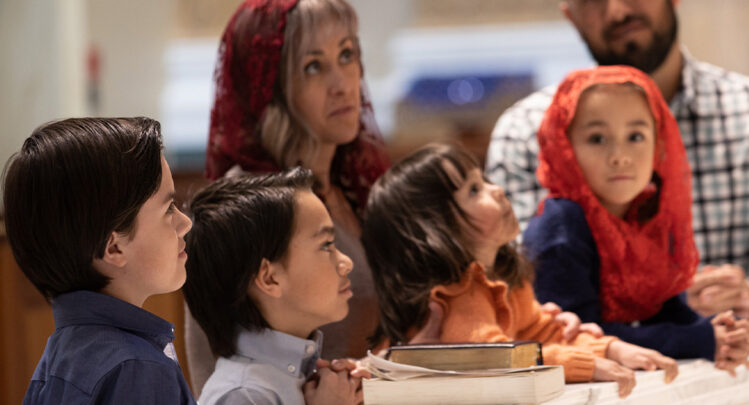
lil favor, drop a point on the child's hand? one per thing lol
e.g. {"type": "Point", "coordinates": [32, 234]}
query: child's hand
{"type": "Point", "coordinates": [716, 289]}
{"type": "Point", "coordinates": [570, 320]}
{"type": "Point", "coordinates": [742, 309]}
{"type": "Point", "coordinates": [333, 387]}
{"type": "Point", "coordinates": [609, 370]}
{"type": "Point", "coordinates": [640, 358]}
{"type": "Point", "coordinates": [354, 367]}
{"type": "Point", "coordinates": [591, 328]}
{"type": "Point", "coordinates": [731, 341]}
{"type": "Point", "coordinates": [551, 308]}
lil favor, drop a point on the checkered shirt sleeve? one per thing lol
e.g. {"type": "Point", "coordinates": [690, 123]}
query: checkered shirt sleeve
{"type": "Point", "coordinates": [512, 157]}
{"type": "Point", "coordinates": [713, 114]}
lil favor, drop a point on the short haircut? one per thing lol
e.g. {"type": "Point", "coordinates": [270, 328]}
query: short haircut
{"type": "Point", "coordinates": [237, 222]}
{"type": "Point", "coordinates": [71, 185]}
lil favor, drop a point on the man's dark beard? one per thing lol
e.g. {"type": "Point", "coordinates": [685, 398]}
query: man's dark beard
{"type": "Point", "coordinates": [646, 59]}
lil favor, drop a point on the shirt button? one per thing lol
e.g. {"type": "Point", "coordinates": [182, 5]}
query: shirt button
{"type": "Point", "coordinates": [291, 368]}
{"type": "Point", "coordinates": [310, 349]}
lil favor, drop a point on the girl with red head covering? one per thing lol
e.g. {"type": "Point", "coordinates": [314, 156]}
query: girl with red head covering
{"type": "Point", "coordinates": [613, 240]}
{"type": "Point", "coordinates": [290, 92]}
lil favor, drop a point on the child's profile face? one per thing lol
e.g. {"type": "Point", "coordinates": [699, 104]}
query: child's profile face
{"type": "Point", "coordinates": [613, 138]}
{"type": "Point", "coordinates": [314, 278]}
{"type": "Point", "coordinates": [156, 251]}
{"type": "Point", "coordinates": [492, 220]}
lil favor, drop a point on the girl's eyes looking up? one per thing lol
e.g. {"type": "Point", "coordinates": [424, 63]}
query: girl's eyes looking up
{"type": "Point", "coordinates": [474, 189]}
{"type": "Point", "coordinates": [329, 245]}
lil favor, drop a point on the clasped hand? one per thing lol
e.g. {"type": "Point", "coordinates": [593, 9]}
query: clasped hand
{"type": "Point", "coordinates": [731, 341]}
{"type": "Point", "coordinates": [335, 382]}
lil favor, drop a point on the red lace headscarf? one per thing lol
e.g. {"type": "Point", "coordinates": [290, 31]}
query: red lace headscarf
{"type": "Point", "coordinates": [642, 263]}
{"type": "Point", "coordinates": [247, 79]}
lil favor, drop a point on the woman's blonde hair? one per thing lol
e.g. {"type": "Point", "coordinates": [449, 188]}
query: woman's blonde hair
{"type": "Point", "coordinates": [282, 131]}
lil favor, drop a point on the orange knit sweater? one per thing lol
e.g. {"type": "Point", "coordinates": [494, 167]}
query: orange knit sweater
{"type": "Point", "coordinates": [477, 309]}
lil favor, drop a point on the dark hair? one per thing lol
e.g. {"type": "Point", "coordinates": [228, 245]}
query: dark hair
{"type": "Point", "coordinates": [70, 186]}
{"type": "Point", "coordinates": [412, 237]}
{"type": "Point", "coordinates": [237, 222]}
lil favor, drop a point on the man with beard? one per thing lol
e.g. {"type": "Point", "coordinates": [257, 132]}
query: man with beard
{"type": "Point", "coordinates": [712, 108]}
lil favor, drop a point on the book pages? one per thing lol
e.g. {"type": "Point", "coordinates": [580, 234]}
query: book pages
{"type": "Point", "coordinates": [389, 370]}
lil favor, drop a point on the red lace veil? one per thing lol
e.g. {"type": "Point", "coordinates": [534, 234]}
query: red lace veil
{"type": "Point", "coordinates": [642, 263]}
{"type": "Point", "coordinates": [246, 78]}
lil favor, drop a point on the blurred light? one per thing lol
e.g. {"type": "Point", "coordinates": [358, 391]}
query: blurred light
{"type": "Point", "coordinates": [465, 90]}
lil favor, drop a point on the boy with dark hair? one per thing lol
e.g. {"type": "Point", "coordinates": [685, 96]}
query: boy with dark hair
{"type": "Point", "coordinates": [91, 221]}
{"type": "Point", "coordinates": [264, 275]}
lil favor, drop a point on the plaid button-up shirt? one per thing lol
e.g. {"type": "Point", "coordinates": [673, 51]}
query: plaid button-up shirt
{"type": "Point", "coordinates": [712, 109]}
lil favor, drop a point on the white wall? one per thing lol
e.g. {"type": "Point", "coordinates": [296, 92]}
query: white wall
{"type": "Point", "coordinates": [41, 74]}
{"type": "Point", "coordinates": [132, 36]}
{"type": "Point", "coordinates": [43, 45]}
{"type": "Point", "coordinates": [716, 31]}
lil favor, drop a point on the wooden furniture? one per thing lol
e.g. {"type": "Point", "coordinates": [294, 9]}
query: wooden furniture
{"type": "Point", "coordinates": [25, 324]}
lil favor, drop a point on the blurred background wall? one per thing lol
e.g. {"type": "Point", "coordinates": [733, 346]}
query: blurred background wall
{"type": "Point", "coordinates": [437, 70]}
{"type": "Point", "coordinates": [103, 57]}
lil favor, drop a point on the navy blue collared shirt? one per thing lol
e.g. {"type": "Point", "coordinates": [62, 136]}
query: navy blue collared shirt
{"type": "Point", "coordinates": [107, 351]}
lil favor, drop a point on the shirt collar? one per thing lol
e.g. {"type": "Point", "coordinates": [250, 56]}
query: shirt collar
{"type": "Point", "coordinates": [92, 308]}
{"type": "Point", "coordinates": [687, 94]}
{"type": "Point", "coordinates": [290, 354]}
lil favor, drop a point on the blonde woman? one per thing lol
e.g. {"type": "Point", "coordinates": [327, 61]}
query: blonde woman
{"type": "Point", "coordinates": [290, 92]}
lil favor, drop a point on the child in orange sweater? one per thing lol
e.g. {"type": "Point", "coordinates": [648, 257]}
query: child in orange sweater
{"type": "Point", "coordinates": [436, 231]}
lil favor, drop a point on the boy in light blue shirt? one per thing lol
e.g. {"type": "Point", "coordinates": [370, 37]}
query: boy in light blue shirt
{"type": "Point", "coordinates": [264, 274]}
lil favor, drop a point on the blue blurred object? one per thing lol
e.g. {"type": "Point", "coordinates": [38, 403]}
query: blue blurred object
{"type": "Point", "coordinates": [464, 91]}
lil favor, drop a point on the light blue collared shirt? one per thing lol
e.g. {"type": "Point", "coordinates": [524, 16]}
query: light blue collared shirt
{"type": "Point", "coordinates": [269, 368]}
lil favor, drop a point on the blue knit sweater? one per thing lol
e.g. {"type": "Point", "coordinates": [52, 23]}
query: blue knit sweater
{"type": "Point", "coordinates": [563, 251]}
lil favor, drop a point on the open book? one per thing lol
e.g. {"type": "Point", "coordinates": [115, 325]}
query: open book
{"type": "Point", "coordinates": [698, 383]}
{"type": "Point", "coordinates": [395, 383]}
{"type": "Point", "coordinates": [469, 356]}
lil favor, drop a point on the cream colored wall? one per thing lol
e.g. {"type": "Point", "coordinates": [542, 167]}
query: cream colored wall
{"type": "Point", "coordinates": [716, 31]}
{"type": "Point", "coordinates": [713, 30]}
{"type": "Point", "coordinates": [132, 36]}
{"type": "Point", "coordinates": [378, 21]}
{"type": "Point", "coordinates": [41, 75]}
{"type": "Point", "coordinates": [43, 44]}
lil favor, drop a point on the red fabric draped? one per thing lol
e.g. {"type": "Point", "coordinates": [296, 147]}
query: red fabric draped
{"type": "Point", "coordinates": [642, 264]}
{"type": "Point", "coordinates": [246, 78]}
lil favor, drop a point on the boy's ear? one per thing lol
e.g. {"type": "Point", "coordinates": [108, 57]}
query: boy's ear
{"type": "Point", "coordinates": [113, 252]}
{"type": "Point", "coordinates": [269, 278]}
